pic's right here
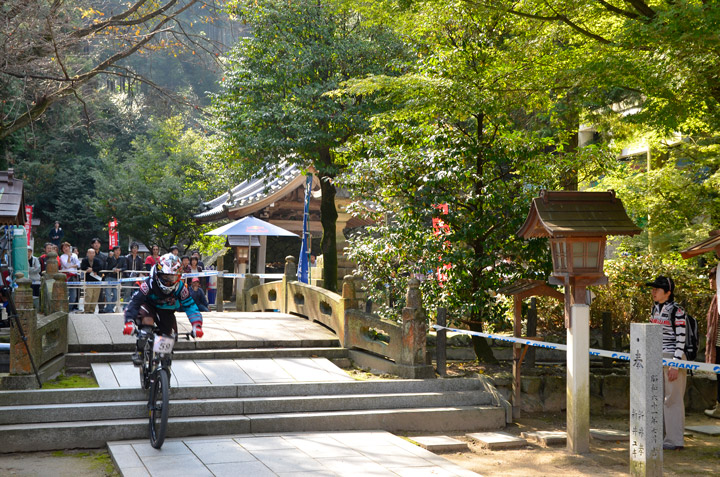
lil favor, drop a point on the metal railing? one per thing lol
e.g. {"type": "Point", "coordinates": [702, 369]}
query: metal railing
{"type": "Point", "coordinates": [84, 295]}
{"type": "Point", "coordinates": [118, 289]}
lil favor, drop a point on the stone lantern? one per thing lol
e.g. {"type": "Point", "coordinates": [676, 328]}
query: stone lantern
{"type": "Point", "coordinates": [577, 224]}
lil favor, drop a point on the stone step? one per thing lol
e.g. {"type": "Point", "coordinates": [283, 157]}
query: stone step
{"type": "Point", "coordinates": [94, 434]}
{"type": "Point", "coordinates": [389, 386]}
{"type": "Point", "coordinates": [40, 413]}
{"type": "Point", "coordinates": [212, 345]}
{"type": "Point", "coordinates": [82, 361]}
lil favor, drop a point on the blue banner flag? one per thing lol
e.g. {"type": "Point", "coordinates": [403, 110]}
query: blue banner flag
{"type": "Point", "coordinates": [303, 271]}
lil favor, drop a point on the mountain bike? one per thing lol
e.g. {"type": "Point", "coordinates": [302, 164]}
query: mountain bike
{"type": "Point", "coordinates": [155, 377]}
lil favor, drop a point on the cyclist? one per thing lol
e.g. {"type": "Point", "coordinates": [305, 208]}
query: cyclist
{"type": "Point", "coordinates": [159, 296]}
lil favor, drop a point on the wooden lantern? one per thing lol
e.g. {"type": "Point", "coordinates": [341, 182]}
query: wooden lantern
{"type": "Point", "coordinates": [577, 257]}
{"type": "Point", "coordinates": [577, 224]}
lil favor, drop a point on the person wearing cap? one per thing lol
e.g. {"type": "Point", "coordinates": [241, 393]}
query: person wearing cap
{"type": "Point", "coordinates": [673, 344]}
{"type": "Point", "coordinates": [198, 295]}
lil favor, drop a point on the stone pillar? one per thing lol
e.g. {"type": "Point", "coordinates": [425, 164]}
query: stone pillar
{"type": "Point", "coordinates": [47, 284]}
{"type": "Point", "coordinates": [240, 284]}
{"type": "Point", "coordinates": [578, 380]}
{"type": "Point", "coordinates": [219, 293]}
{"type": "Point", "coordinates": [414, 327]}
{"type": "Point", "coordinates": [251, 281]}
{"type": "Point", "coordinates": [19, 359]}
{"type": "Point", "coordinates": [347, 302]}
{"type": "Point", "coordinates": [646, 400]}
{"type": "Point", "coordinates": [340, 224]}
{"type": "Point", "coordinates": [290, 275]}
{"type": "Point", "coordinates": [59, 300]}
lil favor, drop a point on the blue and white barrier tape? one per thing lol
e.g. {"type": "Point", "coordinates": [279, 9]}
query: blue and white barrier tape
{"type": "Point", "coordinates": [199, 274]}
{"type": "Point", "coordinates": [261, 275]}
{"type": "Point", "coordinates": [673, 363]}
{"type": "Point", "coordinates": [185, 275]}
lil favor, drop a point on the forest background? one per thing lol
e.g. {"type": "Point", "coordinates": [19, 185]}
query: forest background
{"type": "Point", "coordinates": [141, 110]}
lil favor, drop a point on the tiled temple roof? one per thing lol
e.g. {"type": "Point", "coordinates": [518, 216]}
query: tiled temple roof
{"type": "Point", "coordinates": [250, 192]}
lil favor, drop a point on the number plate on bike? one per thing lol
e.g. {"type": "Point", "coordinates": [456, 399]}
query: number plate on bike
{"type": "Point", "coordinates": [163, 344]}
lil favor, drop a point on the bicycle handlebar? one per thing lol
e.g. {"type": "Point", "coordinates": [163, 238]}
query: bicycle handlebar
{"type": "Point", "coordinates": [186, 334]}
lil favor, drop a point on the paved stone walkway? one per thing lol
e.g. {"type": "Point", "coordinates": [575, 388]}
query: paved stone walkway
{"type": "Point", "coordinates": [222, 330]}
{"type": "Point", "coordinates": [361, 454]}
{"type": "Point", "coordinates": [227, 371]}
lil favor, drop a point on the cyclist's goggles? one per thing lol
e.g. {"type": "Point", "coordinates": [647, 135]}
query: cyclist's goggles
{"type": "Point", "coordinates": [169, 279]}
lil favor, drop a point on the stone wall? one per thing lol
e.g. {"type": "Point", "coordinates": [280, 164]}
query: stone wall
{"type": "Point", "coordinates": [609, 391]}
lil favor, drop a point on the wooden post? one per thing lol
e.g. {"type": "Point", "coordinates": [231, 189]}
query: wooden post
{"type": "Point", "coordinates": [607, 335]}
{"type": "Point", "coordinates": [441, 343]}
{"type": "Point", "coordinates": [531, 331]}
{"type": "Point", "coordinates": [219, 306]}
{"type": "Point", "coordinates": [517, 351]}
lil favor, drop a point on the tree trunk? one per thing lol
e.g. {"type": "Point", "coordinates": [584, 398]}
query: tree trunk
{"type": "Point", "coordinates": [572, 126]}
{"type": "Point", "coordinates": [482, 349]}
{"type": "Point", "coordinates": [328, 219]}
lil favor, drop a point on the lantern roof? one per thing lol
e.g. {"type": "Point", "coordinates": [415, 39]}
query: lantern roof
{"type": "Point", "coordinates": [707, 245]}
{"type": "Point", "coordinates": [577, 214]}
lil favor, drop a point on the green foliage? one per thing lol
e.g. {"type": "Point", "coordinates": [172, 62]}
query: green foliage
{"type": "Point", "coordinates": [154, 187]}
{"type": "Point", "coordinates": [275, 104]}
{"type": "Point", "coordinates": [677, 201]}
{"type": "Point", "coordinates": [656, 55]}
{"type": "Point", "coordinates": [462, 132]}
{"type": "Point", "coordinates": [487, 205]}
{"type": "Point", "coordinates": [56, 159]}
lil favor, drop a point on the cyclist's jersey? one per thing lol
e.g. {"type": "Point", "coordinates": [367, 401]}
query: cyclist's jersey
{"type": "Point", "coordinates": [180, 299]}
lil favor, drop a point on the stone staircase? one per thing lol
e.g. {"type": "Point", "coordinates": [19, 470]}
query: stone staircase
{"type": "Point", "coordinates": [89, 418]}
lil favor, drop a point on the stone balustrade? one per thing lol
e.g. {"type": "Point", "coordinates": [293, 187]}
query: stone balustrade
{"type": "Point", "coordinates": [402, 345]}
{"type": "Point", "coordinates": [46, 333]}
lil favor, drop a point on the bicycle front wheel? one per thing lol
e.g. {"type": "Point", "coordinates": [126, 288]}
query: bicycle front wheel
{"type": "Point", "coordinates": [159, 407]}
{"type": "Point", "coordinates": [145, 368]}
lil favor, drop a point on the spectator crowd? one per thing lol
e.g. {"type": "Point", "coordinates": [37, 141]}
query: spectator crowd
{"type": "Point", "coordinates": [87, 274]}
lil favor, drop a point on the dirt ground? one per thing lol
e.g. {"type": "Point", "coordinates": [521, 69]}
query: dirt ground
{"type": "Point", "coordinates": [700, 457]}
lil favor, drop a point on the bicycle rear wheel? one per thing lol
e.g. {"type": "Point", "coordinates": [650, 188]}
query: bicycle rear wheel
{"type": "Point", "coordinates": [159, 405]}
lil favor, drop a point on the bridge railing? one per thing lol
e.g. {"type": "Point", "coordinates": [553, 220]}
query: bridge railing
{"type": "Point", "coordinates": [401, 345]}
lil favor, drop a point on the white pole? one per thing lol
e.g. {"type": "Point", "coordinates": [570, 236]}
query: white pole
{"type": "Point", "coordinates": [578, 380]}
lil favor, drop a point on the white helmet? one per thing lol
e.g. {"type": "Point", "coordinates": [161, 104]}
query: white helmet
{"type": "Point", "coordinates": [167, 272]}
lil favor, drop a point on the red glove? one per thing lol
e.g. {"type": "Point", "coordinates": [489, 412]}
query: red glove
{"type": "Point", "coordinates": [129, 328]}
{"type": "Point", "coordinates": [197, 330]}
